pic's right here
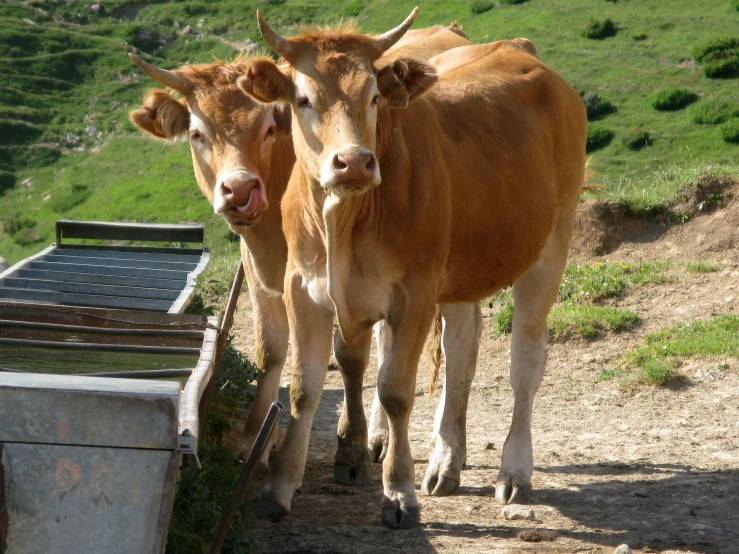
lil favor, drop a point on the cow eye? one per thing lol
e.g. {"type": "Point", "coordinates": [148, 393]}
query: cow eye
{"type": "Point", "coordinates": [375, 100]}
{"type": "Point", "coordinates": [196, 135]}
{"type": "Point", "coordinates": [304, 103]}
{"type": "Point", "coordinates": [270, 132]}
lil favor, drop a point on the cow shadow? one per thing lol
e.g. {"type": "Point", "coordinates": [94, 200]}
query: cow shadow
{"type": "Point", "coordinates": [669, 506]}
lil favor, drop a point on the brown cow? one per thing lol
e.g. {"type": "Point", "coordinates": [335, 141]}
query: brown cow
{"type": "Point", "coordinates": [242, 156]}
{"type": "Point", "coordinates": [474, 186]}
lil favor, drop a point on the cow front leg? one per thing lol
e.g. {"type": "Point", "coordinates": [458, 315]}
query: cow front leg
{"type": "Point", "coordinates": [270, 339]}
{"type": "Point", "coordinates": [533, 295]}
{"type": "Point", "coordinates": [311, 328]}
{"type": "Point", "coordinates": [352, 465]}
{"type": "Point", "coordinates": [462, 325]}
{"type": "Point", "coordinates": [396, 388]}
{"type": "Point", "coordinates": [378, 428]}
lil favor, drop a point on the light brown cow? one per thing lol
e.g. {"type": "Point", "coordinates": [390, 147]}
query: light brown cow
{"type": "Point", "coordinates": [242, 156]}
{"type": "Point", "coordinates": [474, 186]}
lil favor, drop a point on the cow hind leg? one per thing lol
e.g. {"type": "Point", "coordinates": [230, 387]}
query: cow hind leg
{"type": "Point", "coordinates": [460, 341]}
{"type": "Point", "coordinates": [352, 465]}
{"type": "Point", "coordinates": [270, 338]}
{"type": "Point", "coordinates": [533, 295]}
{"type": "Point", "coordinates": [378, 429]}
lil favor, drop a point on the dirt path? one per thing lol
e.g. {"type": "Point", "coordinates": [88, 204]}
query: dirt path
{"type": "Point", "coordinates": [657, 469]}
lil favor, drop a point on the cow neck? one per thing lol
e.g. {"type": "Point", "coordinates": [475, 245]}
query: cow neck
{"type": "Point", "coordinates": [265, 239]}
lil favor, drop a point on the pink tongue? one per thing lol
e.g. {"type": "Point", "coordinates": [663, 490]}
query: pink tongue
{"type": "Point", "coordinates": [254, 206]}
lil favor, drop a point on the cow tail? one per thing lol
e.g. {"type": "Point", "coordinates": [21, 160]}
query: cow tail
{"type": "Point", "coordinates": [433, 347]}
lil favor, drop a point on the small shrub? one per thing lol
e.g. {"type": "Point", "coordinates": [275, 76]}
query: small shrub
{"type": "Point", "coordinates": [730, 130]}
{"type": "Point", "coordinates": [7, 181]}
{"type": "Point", "coordinates": [512, 1]}
{"type": "Point", "coordinates": [735, 4]}
{"type": "Point", "coordinates": [598, 138]}
{"type": "Point", "coordinates": [597, 30]}
{"type": "Point", "coordinates": [354, 8]}
{"type": "Point", "coordinates": [480, 6]}
{"type": "Point", "coordinates": [720, 58]}
{"type": "Point", "coordinates": [637, 139]}
{"type": "Point", "coordinates": [504, 320]}
{"type": "Point", "coordinates": [702, 267]}
{"type": "Point", "coordinates": [23, 230]}
{"type": "Point", "coordinates": [713, 112]}
{"type": "Point", "coordinates": [722, 69]}
{"type": "Point", "coordinates": [596, 106]}
{"type": "Point", "coordinates": [639, 36]}
{"type": "Point", "coordinates": [672, 99]}
{"type": "Point", "coordinates": [64, 200]}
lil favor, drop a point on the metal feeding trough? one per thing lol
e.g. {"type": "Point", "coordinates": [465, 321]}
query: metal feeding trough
{"type": "Point", "coordinates": [91, 432]}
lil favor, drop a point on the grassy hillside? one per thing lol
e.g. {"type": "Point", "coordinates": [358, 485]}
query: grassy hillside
{"type": "Point", "coordinates": [66, 86]}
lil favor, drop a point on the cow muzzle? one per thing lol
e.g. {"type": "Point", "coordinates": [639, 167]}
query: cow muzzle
{"type": "Point", "coordinates": [240, 197]}
{"type": "Point", "coordinates": [350, 170]}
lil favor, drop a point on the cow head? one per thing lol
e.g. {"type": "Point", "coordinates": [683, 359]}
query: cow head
{"type": "Point", "coordinates": [336, 92]}
{"type": "Point", "coordinates": [230, 134]}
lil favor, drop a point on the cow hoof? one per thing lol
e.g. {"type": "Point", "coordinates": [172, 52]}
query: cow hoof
{"type": "Point", "coordinates": [439, 486]}
{"type": "Point", "coordinates": [377, 448]}
{"type": "Point", "coordinates": [266, 508]}
{"type": "Point", "coordinates": [395, 516]}
{"type": "Point", "coordinates": [345, 474]}
{"type": "Point", "coordinates": [516, 494]}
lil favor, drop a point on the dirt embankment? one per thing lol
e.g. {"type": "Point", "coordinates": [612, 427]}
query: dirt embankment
{"type": "Point", "coordinates": [656, 468]}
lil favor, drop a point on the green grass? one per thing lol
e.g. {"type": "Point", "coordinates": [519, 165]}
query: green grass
{"type": "Point", "coordinates": [568, 321]}
{"type": "Point", "coordinates": [588, 321]}
{"type": "Point", "coordinates": [658, 360]}
{"type": "Point", "coordinates": [202, 493]}
{"type": "Point", "coordinates": [597, 281]}
{"type": "Point", "coordinates": [702, 267]}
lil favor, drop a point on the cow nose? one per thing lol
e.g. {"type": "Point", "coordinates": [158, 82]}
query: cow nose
{"type": "Point", "coordinates": [354, 164]}
{"type": "Point", "coordinates": [236, 191]}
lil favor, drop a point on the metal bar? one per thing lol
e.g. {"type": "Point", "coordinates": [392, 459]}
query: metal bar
{"type": "Point", "coordinates": [133, 374]}
{"type": "Point", "coordinates": [247, 472]}
{"type": "Point", "coordinates": [89, 288]}
{"type": "Point", "coordinates": [151, 263]}
{"type": "Point", "coordinates": [180, 333]}
{"type": "Point", "coordinates": [129, 280]}
{"type": "Point", "coordinates": [142, 253]}
{"type": "Point", "coordinates": [104, 347]}
{"type": "Point", "coordinates": [94, 300]}
{"type": "Point", "coordinates": [225, 327]}
{"type": "Point", "coordinates": [180, 305]}
{"type": "Point", "coordinates": [26, 261]}
{"type": "Point", "coordinates": [167, 250]}
{"type": "Point", "coordinates": [107, 270]}
{"type": "Point", "coordinates": [128, 231]}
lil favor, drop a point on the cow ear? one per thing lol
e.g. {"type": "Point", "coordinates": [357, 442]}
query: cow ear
{"type": "Point", "coordinates": [161, 115]}
{"type": "Point", "coordinates": [404, 81]}
{"type": "Point", "coordinates": [265, 82]}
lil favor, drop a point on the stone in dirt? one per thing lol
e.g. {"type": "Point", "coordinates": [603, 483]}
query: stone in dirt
{"type": "Point", "coordinates": [623, 549]}
{"type": "Point", "coordinates": [517, 512]}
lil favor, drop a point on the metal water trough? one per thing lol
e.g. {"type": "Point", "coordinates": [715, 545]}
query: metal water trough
{"type": "Point", "coordinates": [88, 455]}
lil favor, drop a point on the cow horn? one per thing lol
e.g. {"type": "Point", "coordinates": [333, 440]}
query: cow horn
{"type": "Point", "coordinates": [384, 41]}
{"type": "Point", "coordinates": [163, 76]}
{"type": "Point", "coordinates": [277, 43]}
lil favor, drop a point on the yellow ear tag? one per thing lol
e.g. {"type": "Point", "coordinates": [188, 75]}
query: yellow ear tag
{"type": "Point", "coordinates": [259, 86]}
{"type": "Point", "coordinates": [399, 98]}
